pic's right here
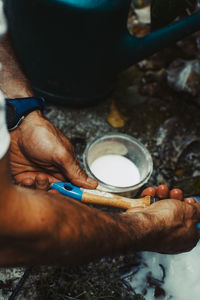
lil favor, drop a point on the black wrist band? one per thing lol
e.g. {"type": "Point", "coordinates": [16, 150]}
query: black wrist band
{"type": "Point", "coordinates": [17, 109]}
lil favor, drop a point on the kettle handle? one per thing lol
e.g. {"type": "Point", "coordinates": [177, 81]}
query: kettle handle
{"type": "Point", "coordinates": [134, 49]}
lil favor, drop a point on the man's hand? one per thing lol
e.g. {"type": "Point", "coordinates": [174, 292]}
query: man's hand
{"type": "Point", "coordinates": [40, 154]}
{"type": "Point", "coordinates": [168, 226]}
{"type": "Point", "coordinates": [52, 229]}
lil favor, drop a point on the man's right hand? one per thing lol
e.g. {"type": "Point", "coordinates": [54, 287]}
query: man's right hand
{"type": "Point", "coordinates": [167, 226]}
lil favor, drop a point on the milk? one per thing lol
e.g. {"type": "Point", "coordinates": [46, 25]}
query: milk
{"type": "Point", "coordinates": [115, 170]}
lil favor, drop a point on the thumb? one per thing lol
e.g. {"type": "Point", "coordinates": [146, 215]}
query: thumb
{"type": "Point", "coordinates": [76, 174]}
{"type": "Point", "coordinates": [135, 210]}
{"type": "Point", "coordinates": [79, 177]}
{"type": "Point", "coordinates": [197, 215]}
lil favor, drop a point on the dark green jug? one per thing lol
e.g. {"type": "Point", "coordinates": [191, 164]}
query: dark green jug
{"type": "Point", "coordinates": [72, 50]}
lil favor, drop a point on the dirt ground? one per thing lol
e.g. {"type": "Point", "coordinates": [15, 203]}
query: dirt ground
{"type": "Point", "coordinates": [147, 104]}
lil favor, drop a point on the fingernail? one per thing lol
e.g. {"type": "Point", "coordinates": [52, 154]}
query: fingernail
{"type": "Point", "coordinates": [27, 182]}
{"type": "Point", "coordinates": [91, 181]}
{"type": "Point", "coordinates": [42, 182]}
{"type": "Point", "coordinates": [198, 226]}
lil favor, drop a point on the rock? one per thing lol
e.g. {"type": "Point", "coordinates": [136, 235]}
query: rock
{"type": "Point", "coordinates": [143, 15]}
{"type": "Point", "coordinates": [184, 76]}
{"type": "Point", "coordinates": [115, 118]}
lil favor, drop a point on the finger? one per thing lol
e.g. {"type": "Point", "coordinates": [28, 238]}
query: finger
{"type": "Point", "coordinates": [56, 178]}
{"type": "Point", "coordinates": [80, 178]}
{"type": "Point", "coordinates": [76, 174]}
{"type": "Point", "coordinates": [25, 178]}
{"type": "Point", "coordinates": [197, 205]}
{"type": "Point", "coordinates": [190, 200]}
{"type": "Point", "coordinates": [66, 159]}
{"type": "Point", "coordinates": [42, 182]}
{"type": "Point", "coordinates": [28, 183]}
{"type": "Point", "coordinates": [53, 192]}
{"type": "Point", "coordinates": [134, 210]}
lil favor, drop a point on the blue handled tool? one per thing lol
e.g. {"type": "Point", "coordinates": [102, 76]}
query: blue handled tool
{"type": "Point", "coordinates": [68, 189]}
{"type": "Point", "coordinates": [99, 197]}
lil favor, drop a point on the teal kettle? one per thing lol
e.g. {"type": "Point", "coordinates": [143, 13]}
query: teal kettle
{"type": "Point", "coordinates": [72, 50]}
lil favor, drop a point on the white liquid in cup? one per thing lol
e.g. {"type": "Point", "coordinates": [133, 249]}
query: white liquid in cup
{"type": "Point", "coordinates": [115, 170]}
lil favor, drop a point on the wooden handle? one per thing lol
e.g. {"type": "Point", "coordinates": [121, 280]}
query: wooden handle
{"type": "Point", "coordinates": [116, 201]}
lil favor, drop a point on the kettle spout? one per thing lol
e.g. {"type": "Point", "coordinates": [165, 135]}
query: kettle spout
{"type": "Point", "coordinates": [134, 49]}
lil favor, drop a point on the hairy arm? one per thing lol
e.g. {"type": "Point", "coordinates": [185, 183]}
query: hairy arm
{"type": "Point", "coordinates": [13, 82]}
{"type": "Point", "coordinates": [41, 228]}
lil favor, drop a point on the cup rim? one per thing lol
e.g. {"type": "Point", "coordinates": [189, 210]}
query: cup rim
{"type": "Point", "coordinates": [113, 188]}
